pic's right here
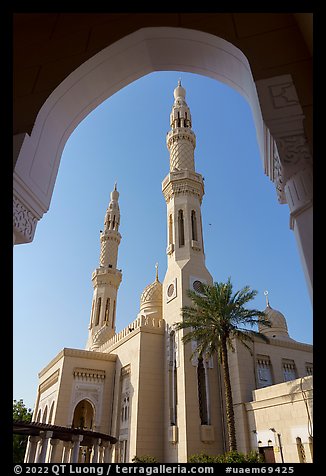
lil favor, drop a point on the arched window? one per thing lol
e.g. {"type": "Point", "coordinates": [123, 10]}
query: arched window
{"type": "Point", "coordinates": [170, 229]}
{"type": "Point", "coordinates": [181, 228]}
{"type": "Point", "coordinates": [45, 415]}
{"type": "Point", "coordinates": [202, 392]}
{"type": "Point", "coordinates": [38, 419]}
{"type": "Point", "coordinates": [113, 314]}
{"type": "Point", "coordinates": [107, 310]}
{"type": "Point", "coordinates": [194, 235]}
{"type": "Point", "coordinates": [92, 314]}
{"type": "Point", "coordinates": [51, 414]}
{"type": "Point", "coordinates": [98, 310]}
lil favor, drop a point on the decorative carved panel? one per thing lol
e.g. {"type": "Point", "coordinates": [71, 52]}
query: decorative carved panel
{"type": "Point", "coordinates": [23, 221]}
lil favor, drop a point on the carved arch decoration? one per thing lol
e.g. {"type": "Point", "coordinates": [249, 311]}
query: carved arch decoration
{"type": "Point", "coordinates": [134, 56]}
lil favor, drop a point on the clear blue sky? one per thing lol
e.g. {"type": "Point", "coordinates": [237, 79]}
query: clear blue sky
{"type": "Point", "coordinates": [246, 231]}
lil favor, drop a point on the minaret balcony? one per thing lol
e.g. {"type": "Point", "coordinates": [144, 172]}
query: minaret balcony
{"type": "Point", "coordinates": [181, 133]}
{"type": "Point", "coordinates": [106, 275]}
{"type": "Point", "coordinates": [183, 182]}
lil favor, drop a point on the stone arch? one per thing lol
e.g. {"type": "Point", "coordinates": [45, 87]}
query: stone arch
{"type": "Point", "coordinates": [51, 413]}
{"type": "Point", "coordinates": [84, 414]}
{"type": "Point", "coordinates": [134, 56]}
{"type": "Point", "coordinates": [45, 415]}
{"type": "Point", "coordinates": [160, 49]}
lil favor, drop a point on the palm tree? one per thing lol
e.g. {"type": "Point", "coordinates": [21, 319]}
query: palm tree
{"type": "Point", "coordinates": [217, 317]}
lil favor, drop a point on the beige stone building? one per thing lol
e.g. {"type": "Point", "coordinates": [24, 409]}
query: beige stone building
{"type": "Point", "coordinates": [141, 385]}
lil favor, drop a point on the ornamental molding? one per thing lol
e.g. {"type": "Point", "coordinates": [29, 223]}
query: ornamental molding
{"type": "Point", "coordinates": [176, 136]}
{"type": "Point", "coordinates": [24, 222]}
{"type": "Point", "coordinates": [182, 183]}
{"type": "Point", "coordinates": [100, 337]}
{"type": "Point", "coordinates": [50, 381]}
{"type": "Point", "coordinates": [286, 148]}
{"type": "Point", "coordinates": [283, 94]}
{"type": "Point", "coordinates": [84, 354]}
{"type": "Point", "coordinates": [106, 276]}
{"type": "Point", "coordinates": [87, 391]}
{"type": "Point", "coordinates": [294, 150]}
{"type": "Point", "coordinates": [182, 188]}
{"type": "Point", "coordinates": [126, 370]}
{"type": "Point", "coordinates": [278, 175]}
{"type": "Point", "coordinates": [85, 374]}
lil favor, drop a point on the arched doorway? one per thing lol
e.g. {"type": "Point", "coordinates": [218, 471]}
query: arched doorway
{"type": "Point", "coordinates": [83, 418]}
{"type": "Point", "coordinates": [83, 415]}
{"type": "Point", "coordinates": [287, 161]}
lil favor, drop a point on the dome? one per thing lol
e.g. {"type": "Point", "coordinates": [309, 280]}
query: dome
{"type": "Point", "coordinates": [179, 91]}
{"type": "Point", "coordinates": [279, 328]}
{"type": "Point", "coordinates": [152, 294]}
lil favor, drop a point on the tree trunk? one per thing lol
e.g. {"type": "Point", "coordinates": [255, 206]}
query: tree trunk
{"type": "Point", "coordinates": [228, 399]}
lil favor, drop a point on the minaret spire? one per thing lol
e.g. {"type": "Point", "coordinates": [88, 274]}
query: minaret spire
{"type": "Point", "coordinates": [183, 188]}
{"type": "Point", "coordinates": [106, 278]}
{"type": "Point", "coordinates": [181, 140]}
{"type": "Point", "coordinates": [110, 237]}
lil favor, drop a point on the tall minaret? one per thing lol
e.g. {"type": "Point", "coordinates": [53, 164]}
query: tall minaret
{"type": "Point", "coordinates": [183, 190]}
{"type": "Point", "coordinates": [106, 279]}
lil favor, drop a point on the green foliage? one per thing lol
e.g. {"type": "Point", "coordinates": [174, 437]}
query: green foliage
{"type": "Point", "coordinates": [202, 458]}
{"type": "Point", "coordinates": [255, 457]}
{"type": "Point", "coordinates": [144, 459]}
{"type": "Point", "coordinates": [216, 317]}
{"type": "Point", "coordinates": [21, 413]}
{"type": "Point", "coordinates": [230, 457]}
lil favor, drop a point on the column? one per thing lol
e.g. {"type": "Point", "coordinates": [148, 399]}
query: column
{"type": "Point", "coordinates": [106, 451]}
{"type": "Point", "coordinates": [45, 436]}
{"type": "Point", "coordinates": [67, 446]}
{"type": "Point", "coordinates": [54, 447]}
{"type": "Point", "coordinates": [32, 445]}
{"type": "Point", "coordinates": [100, 453]}
{"type": "Point", "coordinates": [288, 160]}
{"type": "Point", "coordinates": [95, 455]}
{"type": "Point", "coordinates": [76, 439]}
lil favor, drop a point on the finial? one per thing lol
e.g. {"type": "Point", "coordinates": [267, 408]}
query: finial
{"type": "Point", "coordinates": [115, 194]}
{"type": "Point", "coordinates": [179, 82]}
{"type": "Point", "coordinates": [267, 300]}
{"type": "Point", "coordinates": [156, 277]}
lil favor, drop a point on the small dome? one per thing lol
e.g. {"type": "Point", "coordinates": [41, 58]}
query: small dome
{"type": "Point", "coordinates": [152, 294]}
{"type": "Point", "coordinates": [279, 328]}
{"type": "Point", "coordinates": [179, 91]}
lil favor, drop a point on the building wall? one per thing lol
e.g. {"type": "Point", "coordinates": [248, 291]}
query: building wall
{"type": "Point", "coordinates": [136, 365]}
{"type": "Point", "coordinates": [287, 408]}
{"type": "Point", "coordinates": [243, 372]}
{"type": "Point", "coordinates": [151, 396]}
{"type": "Point", "coordinates": [128, 354]}
{"type": "Point", "coordinates": [71, 376]}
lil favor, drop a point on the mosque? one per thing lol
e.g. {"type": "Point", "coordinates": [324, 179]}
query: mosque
{"type": "Point", "coordinates": [141, 385]}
